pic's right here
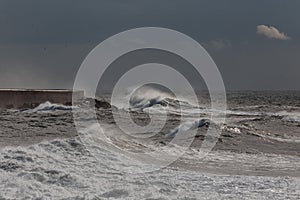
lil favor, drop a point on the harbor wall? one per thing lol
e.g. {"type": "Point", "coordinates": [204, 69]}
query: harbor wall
{"type": "Point", "coordinates": [18, 98]}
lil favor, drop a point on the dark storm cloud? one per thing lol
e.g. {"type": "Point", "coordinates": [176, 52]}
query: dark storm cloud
{"type": "Point", "coordinates": [46, 40]}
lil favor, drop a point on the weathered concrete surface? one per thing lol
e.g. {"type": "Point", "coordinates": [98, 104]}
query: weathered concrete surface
{"type": "Point", "coordinates": [24, 98]}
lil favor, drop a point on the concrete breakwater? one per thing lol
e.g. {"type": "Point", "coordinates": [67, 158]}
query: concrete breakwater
{"type": "Point", "coordinates": [26, 98]}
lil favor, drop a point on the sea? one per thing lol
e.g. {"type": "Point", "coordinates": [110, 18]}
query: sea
{"type": "Point", "coordinates": [91, 151]}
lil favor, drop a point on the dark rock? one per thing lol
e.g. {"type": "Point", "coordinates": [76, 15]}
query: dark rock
{"type": "Point", "coordinates": [99, 103]}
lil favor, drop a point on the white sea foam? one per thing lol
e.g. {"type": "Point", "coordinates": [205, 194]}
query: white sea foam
{"type": "Point", "coordinates": [232, 129]}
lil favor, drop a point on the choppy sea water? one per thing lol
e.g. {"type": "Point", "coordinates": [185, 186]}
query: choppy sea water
{"type": "Point", "coordinates": [257, 156]}
{"type": "Point", "coordinates": [62, 169]}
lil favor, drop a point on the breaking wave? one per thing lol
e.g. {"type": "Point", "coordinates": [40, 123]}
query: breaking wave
{"type": "Point", "coordinates": [188, 126]}
{"type": "Point", "coordinates": [153, 95]}
{"type": "Point", "coordinates": [165, 102]}
{"type": "Point", "coordinates": [47, 106]}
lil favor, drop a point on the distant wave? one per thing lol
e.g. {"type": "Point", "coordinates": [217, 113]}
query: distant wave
{"type": "Point", "coordinates": [47, 106]}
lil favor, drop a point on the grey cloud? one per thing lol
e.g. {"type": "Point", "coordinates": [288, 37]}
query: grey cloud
{"type": "Point", "coordinates": [217, 44]}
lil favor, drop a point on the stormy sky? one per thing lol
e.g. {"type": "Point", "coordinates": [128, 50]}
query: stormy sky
{"type": "Point", "coordinates": [254, 43]}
